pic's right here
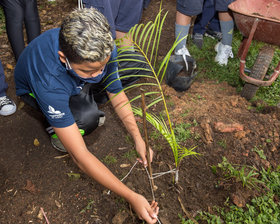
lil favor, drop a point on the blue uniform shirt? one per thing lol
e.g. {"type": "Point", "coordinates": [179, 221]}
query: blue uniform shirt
{"type": "Point", "coordinates": [40, 71]}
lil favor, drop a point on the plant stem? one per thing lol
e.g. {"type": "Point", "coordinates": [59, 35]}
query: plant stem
{"type": "Point", "coordinates": [146, 137]}
{"type": "Point", "coordinates": [177, 175]}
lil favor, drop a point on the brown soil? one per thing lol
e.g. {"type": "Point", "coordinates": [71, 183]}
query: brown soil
{"type": "Point", "coordinates": [33, 175]}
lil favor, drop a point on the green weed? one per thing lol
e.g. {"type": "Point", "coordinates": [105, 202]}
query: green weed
{"type": "Point", "coordinates": [223, 143]}
{"type": "Point", "coordinates": [259, 152]}
{"type": "Point", "coordinates": [182, 132]}
{"type": "Point", "coordinates": [109, 159]}
{"type": "Point", "coordinates": [131, 155]}
{"type": "Point", "coordinates": [264, 209]}
{"type": "Point", "coordinates": [247, 176]}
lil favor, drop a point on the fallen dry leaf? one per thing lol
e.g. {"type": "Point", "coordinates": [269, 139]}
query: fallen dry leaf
{"type": "Point", "coordinates": [36, 142]}
{"type": "Point", "coordinates": [124, 165]}
{"type": "Point", "coordinates": [9, 66]}
{"type": "Point", "coordinates": [30, 187]}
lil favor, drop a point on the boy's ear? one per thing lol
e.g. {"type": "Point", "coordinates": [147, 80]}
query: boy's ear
{"type": "Point", "coordinates": [62, 57]}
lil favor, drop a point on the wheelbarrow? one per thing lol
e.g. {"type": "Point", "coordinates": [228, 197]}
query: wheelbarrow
{"type": "Point", "coordinates": [258, 20]}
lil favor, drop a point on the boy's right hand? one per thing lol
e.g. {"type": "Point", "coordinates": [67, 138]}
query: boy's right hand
{"type": "Point", "coordinates": [144, 210]}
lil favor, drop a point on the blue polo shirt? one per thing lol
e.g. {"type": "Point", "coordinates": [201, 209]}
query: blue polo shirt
{"type": "Point", "coordinates": [40, 71]}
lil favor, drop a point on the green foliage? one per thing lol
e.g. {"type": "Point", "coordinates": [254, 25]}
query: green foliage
{"type": "Point", "coordinates": [248, 177]}
{"type": "Point", "coordinates": [88, 207]}
{"type": "Point", "coordinates": [223, 143]}
{"type": "Point", "coordinates": [272, 180]}
{"type": "Point", "coordinates": [131, 154]}
{"type": "Point", "coordinates": [264, 209]}
{"type": "Point", "coordinates": [259, 152]}
{"type": "Point", "coordinates": [74, 176]}
{"type": "Point", "coordinates": [2, 20]}
{"type": "Point", "coordinates": [182, 132]}
{"type": "Point", "coordinates": [109, 159]}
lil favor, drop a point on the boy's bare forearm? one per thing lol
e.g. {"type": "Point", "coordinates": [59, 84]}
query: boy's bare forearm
{"type": "Point", "coordinates": [126, 115]}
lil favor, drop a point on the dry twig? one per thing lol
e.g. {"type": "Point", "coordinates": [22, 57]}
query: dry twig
{"type": "Point", "coordinates": [186, 212]}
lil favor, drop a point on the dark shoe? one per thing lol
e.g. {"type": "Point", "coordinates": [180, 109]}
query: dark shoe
{"type": "Point", "coordinates": [56, 143]}
{"type": "Point", "coordinates": [213, 34]}
{"type": "Point", "coordinates": [198, 40]}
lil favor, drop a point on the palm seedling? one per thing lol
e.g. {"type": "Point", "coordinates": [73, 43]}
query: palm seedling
{"type": "Point", "coordinates": [146, 40]}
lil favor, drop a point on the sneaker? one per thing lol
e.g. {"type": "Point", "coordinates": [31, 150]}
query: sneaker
{"type": "Point", "coordinates": [56, 143]}
{"type": "Point", "coordinates": [7, 106]}
{"type": "Point", "coordinates": [198, 40]}
{"type": "Point", "coordinates": [213, 34]}
{"type": "Point", "coordinates": [223, 53]}
{"type": "Point", "coordinates": [184, 52]}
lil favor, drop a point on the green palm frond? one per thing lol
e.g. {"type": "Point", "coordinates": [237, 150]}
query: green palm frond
{"type": "Point", "coordinates": [146, 39]}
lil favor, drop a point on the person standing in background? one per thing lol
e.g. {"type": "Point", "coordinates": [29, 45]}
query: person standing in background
{"type": "Point", "coordinates": [7, 106]}
{"type": "Point", "coordinates": [188, 8]}
{"type": "Point", "coordinates": [17, 13]}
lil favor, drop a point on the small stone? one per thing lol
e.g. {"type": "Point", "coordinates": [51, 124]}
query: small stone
{"type": "Point", "coordinates": [40, 215]}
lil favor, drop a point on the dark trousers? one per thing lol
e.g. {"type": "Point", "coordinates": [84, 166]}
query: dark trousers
{"type": "Point", "coordinates": [208, 18]}
{"type": "Point", "coordinates": [83, 107]}
{"type": "Point", "coordinates": [18, 12]}
{"type": "Point", "coordinates": [3, 84]}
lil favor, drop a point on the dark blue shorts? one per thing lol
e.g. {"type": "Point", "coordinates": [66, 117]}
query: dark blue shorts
{"type": "Point", "coordinates": [121, 14]}
{"type": "Point", "coordinates": [194, 7]}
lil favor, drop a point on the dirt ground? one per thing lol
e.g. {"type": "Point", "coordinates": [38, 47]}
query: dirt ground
{"type": "Point", "coordinates": [33, 175]}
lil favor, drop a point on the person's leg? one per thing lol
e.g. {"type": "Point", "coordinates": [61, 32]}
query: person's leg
{"type": "Point", "coordinates": [84, 109]}
{"type": "Point", "coordinates": [31, 19]}
{"type": "Point", "coordinates": [7, 106]}
{"type": "Point", "coordinates": [223, 48]}
{"type": "Point", "coordinates": [185, 10]}
{"type": "Point", "coordinates": [129, 14]}
{"type": "Point", "coordinates": [109, 8]}
{"type": "Point", "coordinates": [206, 16]}
{"type": "Point", "coordinates": [227, 26]}
{"type": "Point", "coordinates": [14, 15]}
{"type": "Point", "coordinates": [3, 84]}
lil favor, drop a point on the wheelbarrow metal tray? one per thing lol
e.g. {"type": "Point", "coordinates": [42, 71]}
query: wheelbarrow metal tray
{"type": "Point", "coordinates": [267, 11]}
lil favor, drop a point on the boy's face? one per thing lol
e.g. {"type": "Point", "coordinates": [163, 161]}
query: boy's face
{"type": "Point", "coordinates": [86, 69]}
{"type": "Point", "coordinates": [89, 69]}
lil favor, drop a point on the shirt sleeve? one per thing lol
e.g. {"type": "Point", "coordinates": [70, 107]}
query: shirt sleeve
{"type": "Point", "coordinates": [112, 82]}
{"type": "Point", "coordinates": [54, 104]}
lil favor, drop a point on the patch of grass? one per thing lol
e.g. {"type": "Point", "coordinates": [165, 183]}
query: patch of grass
{"type": "Point", "coordinates": [131, 155]}
{"type": "Point", "coordinates": [264, 209]}
{"type": "Point", "coordinates": [89, 206]}
{"type": "Point", "coordinates": [230, 73]}
{"type": "Point", "coordinates": [155, 135]}
{"type": "Point", "coordinates": [182, 132]}
{"type": "Point", "coordinates": [223, 143]}
{"type": "Point", "coordinates": [2, 21]}
{"type": "Point", "coordinates": [259, 151]}
{"type": "Point", "coordinates": [109, 159]}
{"type": "Point", "coordinates": [246, 175]}
{"type": "Point", "coordinates": [185, 113]}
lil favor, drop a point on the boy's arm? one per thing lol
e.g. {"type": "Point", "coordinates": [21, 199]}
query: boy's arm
{"type": "Point", "coordinates": [127, 117]}
{"type": "Point", "coordinates": [87, 162]}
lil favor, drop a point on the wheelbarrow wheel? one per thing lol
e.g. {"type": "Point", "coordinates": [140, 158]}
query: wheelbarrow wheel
{"type": "Point", "coordinates": [258, 71]}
